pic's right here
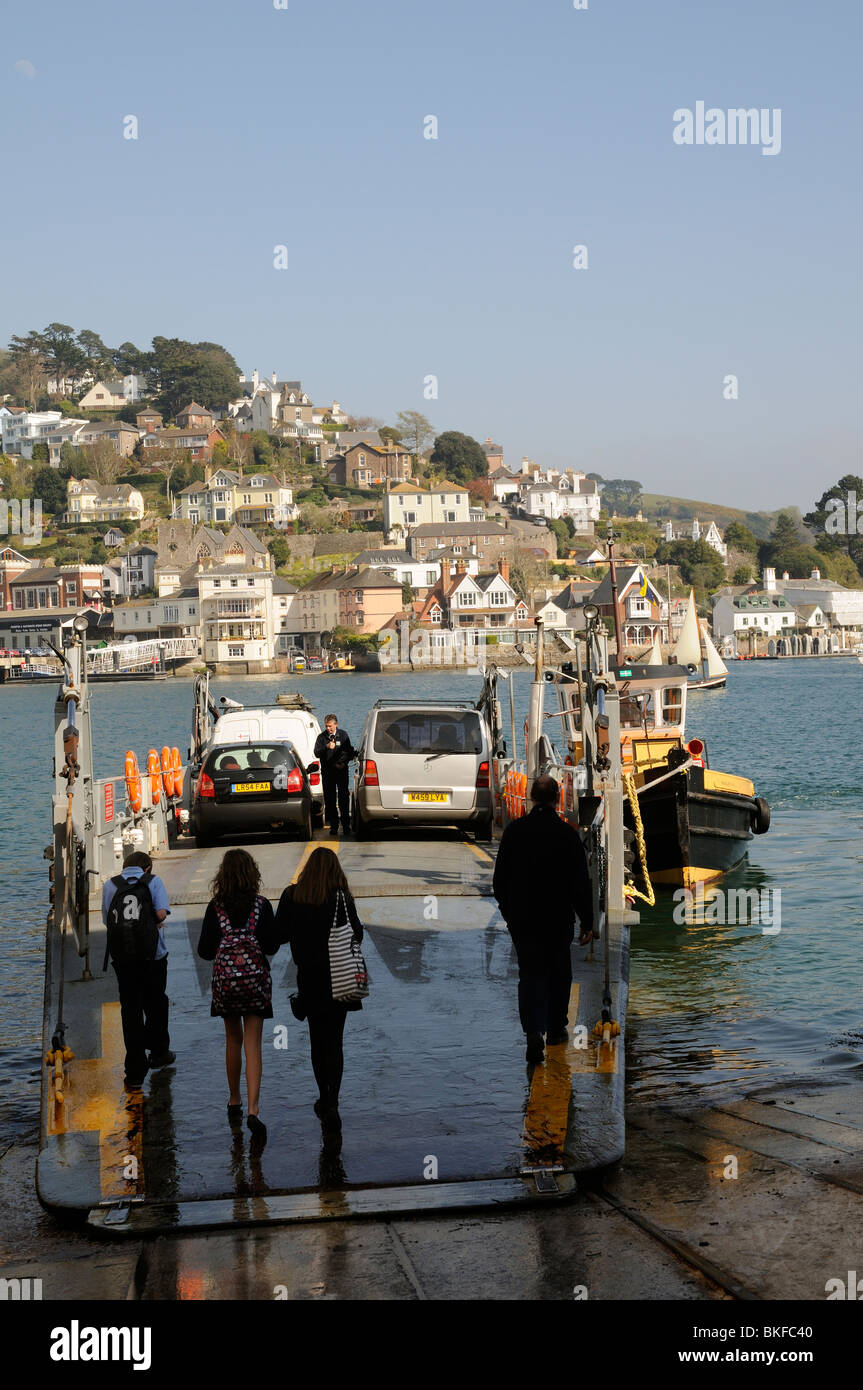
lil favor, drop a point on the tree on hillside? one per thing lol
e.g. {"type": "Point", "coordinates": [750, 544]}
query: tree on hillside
{"type": "Point", "coordinates": [417, 433]}
{"type": "Point", "coordinates": [390, 435]}
{"type": "Point", "coordinates": [480, 490]}
{"type": "Point", "coordinates": [780, 550]}
{"type": "Point", "coordinates": [101, 462]}
{"type": "Point", "coordinates": [739, 537]}
{"type": "Point", "coordinates": [96, 356]}
{"type": "Point", "coordinates": [459, 457]}
{"type": "Point", "coordinates": [280, 551]}
{"type": "Point", "coordinates": [561, 531]}
{"type": "Point", "coordinates": [129, 360]}
{"type": "Point", "coordinates": [698, 562]}
{"type": "Point", "coordinates": [180, 372]}
{"type": "Point", "coordinates": [839, 526]}
{"type": "Point", "coordinates": [621, 495]}
{"type": "Point", "coordinates": [742, 575]}
{"type": "Point", "coordinates": [51, 488]}
{"type": "Point", "coordinates": [64, 359]}
{"type": "Point", "coordinates": [28, 356]}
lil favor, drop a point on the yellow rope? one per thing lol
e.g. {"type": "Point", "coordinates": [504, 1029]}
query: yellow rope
{"type": "Point", "coordinates": [629, 889]}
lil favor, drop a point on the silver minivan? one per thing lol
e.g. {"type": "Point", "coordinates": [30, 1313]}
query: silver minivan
{"type": "Point", "coordinates": [424, 763]}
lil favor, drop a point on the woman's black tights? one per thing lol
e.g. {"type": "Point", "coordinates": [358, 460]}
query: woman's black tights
{"type": "Point", "coordinates": [326, 1030]}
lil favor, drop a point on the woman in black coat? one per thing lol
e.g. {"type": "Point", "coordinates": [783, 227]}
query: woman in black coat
{"type": "Point", "coordinates": [304, 919]}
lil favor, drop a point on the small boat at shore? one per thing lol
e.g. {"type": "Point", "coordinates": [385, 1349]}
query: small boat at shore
{"type": "Point", "coordinates": [697, 820]}
{"type": "Point", "coordinates": [695, 647]}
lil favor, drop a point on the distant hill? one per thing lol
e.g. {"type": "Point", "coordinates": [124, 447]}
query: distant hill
{"type": "Point", "coordinates": [660, 508]}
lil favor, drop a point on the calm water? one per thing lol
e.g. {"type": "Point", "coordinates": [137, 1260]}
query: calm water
{"type": "Point", "coordinates": [711, 1005]}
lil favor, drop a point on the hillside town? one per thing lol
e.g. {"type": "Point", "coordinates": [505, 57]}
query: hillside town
{"type": "Point", "coordinates": [269, 528]}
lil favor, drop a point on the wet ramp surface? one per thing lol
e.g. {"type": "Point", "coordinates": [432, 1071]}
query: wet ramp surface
{"type": "Point", "coordinates": [436, 1091]}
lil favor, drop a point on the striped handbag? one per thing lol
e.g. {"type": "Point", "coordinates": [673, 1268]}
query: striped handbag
{"type": "Point", "coordinates": [350, 979]}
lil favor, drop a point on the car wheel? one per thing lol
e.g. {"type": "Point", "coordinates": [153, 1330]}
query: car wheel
{"type": "Point", "coordinates": [485, 829]}
{"type": "Point", "coordinates": [317, 816]}
{"type": "Point", "coordinates": [203, 841]}
{"type": "Point", "coordinates": [306, 827]}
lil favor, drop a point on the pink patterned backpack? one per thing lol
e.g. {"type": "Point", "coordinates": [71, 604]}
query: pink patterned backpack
{"type": "Point", "coordinates": [241, 973]}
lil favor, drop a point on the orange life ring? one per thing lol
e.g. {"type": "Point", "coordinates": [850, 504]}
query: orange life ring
{"type": "Point", "coordinates": [177, 765]}
{"type": "Point", "coordinates": [167, 771]}
{"type": "Point", "coordinates": [154, 772]}
{"type": "Point", "coordinates": [133, 781]}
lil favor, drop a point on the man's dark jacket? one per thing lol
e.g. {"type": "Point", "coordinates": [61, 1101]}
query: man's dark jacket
{"type": "Point", "coordinates": [334, 760]}
{"type": "Point", "coordinates": [540, 877]}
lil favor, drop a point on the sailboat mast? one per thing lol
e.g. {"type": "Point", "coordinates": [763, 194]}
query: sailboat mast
{"type": "Point", "coordinates": [612, 574]}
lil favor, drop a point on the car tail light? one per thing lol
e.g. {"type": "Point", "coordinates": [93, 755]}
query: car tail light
{"type": "Point", "coordinates": [370, 775]}
{"type": "Point", "coordinates": [295, 780]}
{"type": "Point", "coordinates": [482, 775]}
{"type": "Point", "coordinates": [205, 786]}
{"type": "Point", "coordinates": [314, 774]}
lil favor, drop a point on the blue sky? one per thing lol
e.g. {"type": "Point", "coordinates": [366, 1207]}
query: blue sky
{"type": "Point", "coordinates": [409, 257]}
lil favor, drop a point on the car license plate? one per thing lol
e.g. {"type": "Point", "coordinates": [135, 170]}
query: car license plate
{"type": "Point", "coordinates": [251, 786]}
{"type": "Point", "coordinates": [429, 796]}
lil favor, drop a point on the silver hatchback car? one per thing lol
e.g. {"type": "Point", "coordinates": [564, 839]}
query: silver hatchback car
{"type": "Point", "coordinates": [424, 763]}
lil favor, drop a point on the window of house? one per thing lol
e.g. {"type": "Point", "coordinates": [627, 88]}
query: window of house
{"type": "Point", "coordinates": [431, 576]}
{"type": "Point", "coordinates": [217, 583]}
{"type": "Point", "coordinates": [410, 518]}
{"type": "Point", "coordinates": [234, 583]}
{"type": "Point", "coordinates": [745, 622]}
{"type": "Point", "coordinates": [236, 650]}
{"type": "Point", "coordinates": [434, 616]}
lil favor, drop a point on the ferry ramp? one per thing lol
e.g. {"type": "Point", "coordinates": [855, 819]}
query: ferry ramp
{"type": "Point", "coordinates": [439, 1109]}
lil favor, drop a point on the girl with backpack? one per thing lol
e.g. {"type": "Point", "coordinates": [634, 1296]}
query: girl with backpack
{"type": "Point", "coordinates": [312, 917]}
{"type": "Point", "coordinates": [237, 934]}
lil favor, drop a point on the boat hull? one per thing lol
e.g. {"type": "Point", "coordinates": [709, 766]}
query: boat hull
{"type": "Point", "coordinates": [697, 825]}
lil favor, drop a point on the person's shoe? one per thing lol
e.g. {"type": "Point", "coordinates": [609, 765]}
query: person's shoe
{"type": "Point", "coordinates": [535, 1048]}
{"type": "Point", "coordinates": [334, 830]}
{"type": "Point", "coordinates": [134, 1083]}
{"type": "Point", "coordinates": [258, 1128]}
{"type": "Point", "coordinates": [163, 1059]}
{"type": "Point", "coordinates": [555, 1039]}
{"type": "Point", "coordinates": [235, 1113]}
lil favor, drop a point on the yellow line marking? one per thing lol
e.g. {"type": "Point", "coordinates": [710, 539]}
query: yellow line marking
{"type": "Point", "coordinates": [475, 849]}
{"type": "Point", "coordinates": [95, 1099]}
{"type": "Point", "coordinates": [309, 849]}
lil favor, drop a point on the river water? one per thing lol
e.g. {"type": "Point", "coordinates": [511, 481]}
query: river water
{"type": "Point", "coordinates": [712, 1004]}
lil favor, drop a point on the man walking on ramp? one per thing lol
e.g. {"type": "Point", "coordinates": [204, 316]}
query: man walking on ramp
{"type": "Point", "coordinates": [541, 881]}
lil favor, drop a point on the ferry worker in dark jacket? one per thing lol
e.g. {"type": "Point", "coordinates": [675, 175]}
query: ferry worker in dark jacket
{"type": "Point", "coordinates": [541, 881]}
{"type": "Point", "coordinates": [333, 750]}
{"type": "Point", "coordinates": [304, 918]}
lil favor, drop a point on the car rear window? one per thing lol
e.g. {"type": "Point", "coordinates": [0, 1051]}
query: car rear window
{"type": "Point", "coordinates": [427, 731]}
{"type": "Point", "coordinates": [246, 758]}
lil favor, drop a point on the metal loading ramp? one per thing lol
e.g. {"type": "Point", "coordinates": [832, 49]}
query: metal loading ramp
{"type": "Point", "coordinates": [439, 1109]}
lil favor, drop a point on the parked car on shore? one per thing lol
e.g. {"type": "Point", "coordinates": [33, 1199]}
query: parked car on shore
{"type": "Point", "coordinates": [295, 724]}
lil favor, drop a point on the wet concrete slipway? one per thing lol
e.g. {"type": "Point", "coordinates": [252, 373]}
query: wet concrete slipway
{"type": "Point", "coordinates": [462, 1173]}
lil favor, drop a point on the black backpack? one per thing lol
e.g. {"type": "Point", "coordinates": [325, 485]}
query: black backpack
{"type": "Point", "coordinates": [132, 926]}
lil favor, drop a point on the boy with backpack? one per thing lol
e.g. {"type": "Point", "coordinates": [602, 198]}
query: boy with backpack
{"type": "Point", "coordinates": [134, 906]}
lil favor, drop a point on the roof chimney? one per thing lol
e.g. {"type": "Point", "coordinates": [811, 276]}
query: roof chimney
{"type": "Point", "coordinates": [525, 465]}
{"type": "Point", "coordinates": [770, 581]}
{"type": "Point", "coordinates": [460, 566]}
{"type": "Point", "coordinates": [503, 568]}
{"type": "Point", "coordinates": [816, 573]}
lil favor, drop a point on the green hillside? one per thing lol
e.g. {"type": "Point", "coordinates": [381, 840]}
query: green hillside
{"type": "Point", "coordinates": [660, 508]}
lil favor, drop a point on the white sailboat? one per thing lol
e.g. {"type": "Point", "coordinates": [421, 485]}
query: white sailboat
{"type": "Point", "coordinates": [695, 648]}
